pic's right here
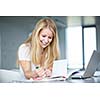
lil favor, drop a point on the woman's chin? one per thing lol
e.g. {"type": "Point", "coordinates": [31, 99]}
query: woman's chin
{"type": "Point", "coordinates": [44, 46]}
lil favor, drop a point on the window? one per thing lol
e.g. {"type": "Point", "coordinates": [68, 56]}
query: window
{"type": "Point", "coordinates": [89, 42]}
{"type": "Point", "coordinates": [81, 41]}
{"type": "Point", "coordinates": [74, 47]}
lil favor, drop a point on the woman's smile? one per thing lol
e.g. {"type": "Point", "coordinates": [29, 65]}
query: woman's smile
{"type": "Point", "coordinates": [46, 37]}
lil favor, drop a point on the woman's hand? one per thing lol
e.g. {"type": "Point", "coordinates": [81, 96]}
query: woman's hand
{"type": "Point", "coordinates": [41, 72]}
{"type": "Point", "coordinates": [34, 75]}
{"type": "Point", "coordinates": [48, 72]}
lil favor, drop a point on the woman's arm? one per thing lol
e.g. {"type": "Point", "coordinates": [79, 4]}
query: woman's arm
{"type": "Point", "coordinates": [26, 66]}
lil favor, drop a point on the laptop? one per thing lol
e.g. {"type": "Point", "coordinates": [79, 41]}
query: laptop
{"type": "Point", "coordinates": [91, 67]}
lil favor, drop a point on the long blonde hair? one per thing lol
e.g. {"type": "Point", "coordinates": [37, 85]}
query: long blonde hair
{"type": "Point", "coordinates": [52, 51]}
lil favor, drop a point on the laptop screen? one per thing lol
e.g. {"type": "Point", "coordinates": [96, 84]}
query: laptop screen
{"type": "Point", "coordinates": [93, 64]}
{"type": "Point", "coordinates": [59, 68]}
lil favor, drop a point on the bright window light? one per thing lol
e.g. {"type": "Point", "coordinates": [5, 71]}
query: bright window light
{"type": "Point", "coordinates": [89, 43]}
{"type": "Point", "coordinates": [76, 41]}
{"type": "Point", "coordinates": [74, 47]}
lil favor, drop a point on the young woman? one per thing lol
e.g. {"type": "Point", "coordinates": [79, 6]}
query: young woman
{"type": "Point", "coordinates": [37, 53]}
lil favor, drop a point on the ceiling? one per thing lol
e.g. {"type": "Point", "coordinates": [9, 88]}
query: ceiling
{"type": "Point", "coordinates": [70, 21]}
{"type": "Point", "coordinates": [80, 20]}
{"type": "Point", "coordinates": [62, 21]}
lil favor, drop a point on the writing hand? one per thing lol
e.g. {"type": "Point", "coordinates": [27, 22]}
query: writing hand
{"type": "Point", "coordinates": [48, 72]}
{"type": "Point", "coordinates": [41, 72]}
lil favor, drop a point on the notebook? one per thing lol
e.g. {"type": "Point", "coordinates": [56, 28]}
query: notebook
{"type": "Point", "coordinates": [91, 67]}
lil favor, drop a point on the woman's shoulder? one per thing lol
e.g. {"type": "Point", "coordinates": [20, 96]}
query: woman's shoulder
{"type": "Point", "coordinates": [25, 46]}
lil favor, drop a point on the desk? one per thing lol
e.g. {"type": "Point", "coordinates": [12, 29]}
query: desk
{"type": "Point", "coordinates": [94, 79]}
{"type": "Point", "coordinates": [11, 76]}
{"type": "Point", "coordinates": [88, 80]}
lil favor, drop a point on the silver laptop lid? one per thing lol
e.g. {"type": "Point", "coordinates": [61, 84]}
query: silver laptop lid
{"type": "Point", "coordinates": [93, 64]}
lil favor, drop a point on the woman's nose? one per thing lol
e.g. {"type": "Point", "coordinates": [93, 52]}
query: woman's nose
{"type": "Point", "coordinates": [46, 40]}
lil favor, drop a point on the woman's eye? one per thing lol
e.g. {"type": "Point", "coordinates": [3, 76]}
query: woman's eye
{"type": "Point", "coordinates": [50, 37]}
{"type": "Point", "coordinates": [43, 35]}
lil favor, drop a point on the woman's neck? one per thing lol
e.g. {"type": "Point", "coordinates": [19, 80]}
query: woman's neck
{"type": "Point", "coordinates": [42, 51]}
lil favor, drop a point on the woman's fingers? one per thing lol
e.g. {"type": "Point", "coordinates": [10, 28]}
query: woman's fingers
{"type": "Point", "coordinates": [41, 72]}
{"type": "Point", "coordinates": [48, 73]}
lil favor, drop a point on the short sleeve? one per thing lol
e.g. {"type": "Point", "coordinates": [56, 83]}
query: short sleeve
{"type": "Point", "coordinates": [24, 52]}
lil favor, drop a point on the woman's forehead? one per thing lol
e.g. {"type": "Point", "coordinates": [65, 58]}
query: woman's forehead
{"type": "Point", "coordinates": [46, 31]}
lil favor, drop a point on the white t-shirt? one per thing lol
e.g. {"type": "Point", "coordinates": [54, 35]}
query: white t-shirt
{"type": "Point", "coordinates": [24, 54]}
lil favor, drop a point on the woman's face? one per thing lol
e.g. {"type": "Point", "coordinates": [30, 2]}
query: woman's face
{"type": "Point", "coordinates": [45, 37]}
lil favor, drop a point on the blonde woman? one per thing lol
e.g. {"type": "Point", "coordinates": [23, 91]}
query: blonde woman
{"type": "Point", "coordinates": [37, 53]}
